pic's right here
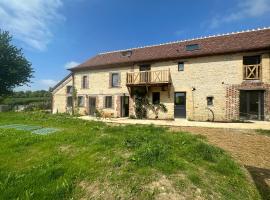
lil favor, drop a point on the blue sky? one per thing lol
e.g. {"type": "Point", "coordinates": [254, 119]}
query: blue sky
{"type": "Point", "coordinates": [56, 34]}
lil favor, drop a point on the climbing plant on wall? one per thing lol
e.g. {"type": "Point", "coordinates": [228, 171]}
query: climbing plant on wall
{"type": "Point", "coordinates": [155, 108]}
{"type": "Point", "coordinates": [142, 104]}
{"type": "Point", "coordinates": [140, 107]}
{"type": "Point", "coordinates": [75, 107]}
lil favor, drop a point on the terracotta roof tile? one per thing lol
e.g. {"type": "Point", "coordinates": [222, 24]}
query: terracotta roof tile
{"type": "Point", "coordinates": [212, 45]}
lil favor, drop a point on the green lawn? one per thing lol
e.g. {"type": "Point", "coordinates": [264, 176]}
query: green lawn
{"type": "Point", "coordinates": [92, 160]}
{"type": "Point", "coordinates": [263, 132]}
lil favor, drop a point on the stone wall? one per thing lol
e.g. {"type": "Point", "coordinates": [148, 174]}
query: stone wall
{"type": "Point", "coordinates": [216, 76]}
{"type": "Point", "coordinates": [59, 103]}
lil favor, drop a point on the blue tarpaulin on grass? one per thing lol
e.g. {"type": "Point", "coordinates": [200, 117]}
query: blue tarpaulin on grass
{"type": "Point", "coordinates": [45, 131]}
{"type": "Point", "coordinates": [34, 129]}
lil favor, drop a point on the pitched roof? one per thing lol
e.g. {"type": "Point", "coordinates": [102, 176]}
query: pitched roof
{"type": "Point", "coordinates": [60, 82]}
{"type": "Point", "coordinates": [258, 39]}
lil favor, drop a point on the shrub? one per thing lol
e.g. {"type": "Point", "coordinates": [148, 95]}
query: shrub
{"type": "Point", "coordinates": [155, 108]}
{"type": "Point", "coordinates": [25, 101]}
{"type": "Point", "coordinates": [132, 116]}
{"type": "Point", "coordinates": [98, 113]}
{"type": "Point", "coordinates": [38, 106]}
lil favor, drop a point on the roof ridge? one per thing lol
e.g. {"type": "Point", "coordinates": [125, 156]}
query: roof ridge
{"type": "Point", "coordinates": [187, 40]}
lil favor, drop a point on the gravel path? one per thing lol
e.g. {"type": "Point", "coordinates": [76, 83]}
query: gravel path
{"type": "Point", "coordinates": [184, 122]}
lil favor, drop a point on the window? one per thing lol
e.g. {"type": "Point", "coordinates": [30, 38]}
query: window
{"type": "Point", "coordinates": [126, 53]}
{"type": "Point", "coordinates": [145, 67]}
{"type": "Point", "coordinates": [181, 66]}
{"type": "Point", "coordinates": [192, 47]}
{"type": "Point", "coordinates": [108, 102]}
{"type": "Point", "coordinates": [251, 60]}
{"type": "Point", "coordinates": [69, 101]}
{"type": "Point", "coordinates": [155, 97]}
{"type": "Point", "coordinates": [84, 82]}
{"type": "Point", "coordinates": [180, 99]}
{"type": "Point", "coordinates": [115, 80]}
{"type": "Point", "coordinates": [80, 101]}
{"type": "Point", "coordinates": [69, 89]}
{"type": "Point", "coordinates": [209, 101]}
{"type": "Point", "coordinates": [252, 67]}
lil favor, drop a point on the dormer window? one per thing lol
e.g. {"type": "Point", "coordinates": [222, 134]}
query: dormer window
{"type": "Point", "coordinates": [192, 47]}
{"type": "Point", "coordinates": [126, 53]}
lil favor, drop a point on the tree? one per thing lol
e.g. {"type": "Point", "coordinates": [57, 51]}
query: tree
{"type": "Point", "coordinates": [15, 69]}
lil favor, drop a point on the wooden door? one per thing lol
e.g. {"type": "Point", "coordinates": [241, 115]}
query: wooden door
{"type": "Point", "coordinates": [92, 105]}
{"type": "Point", "coordinates": [124, 106]}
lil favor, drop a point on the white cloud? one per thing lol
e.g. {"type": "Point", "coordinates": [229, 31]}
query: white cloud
{"type": "Point", "coordinates": [71, 64]}
{"type": "Point", "coordinates": [30, 21]}
{"type": "Point", "coordinates": [48, 82]}
{"type": "Point", "coordinates": [244, 10]}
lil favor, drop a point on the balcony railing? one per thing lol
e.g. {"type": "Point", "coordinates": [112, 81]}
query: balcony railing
{"type": "Point", "coordinates": [149, 77]}
{"type": "Point", "coordinates": [252, 72]}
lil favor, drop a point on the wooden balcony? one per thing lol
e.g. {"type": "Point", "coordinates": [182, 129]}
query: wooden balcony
{"type": "Point", "coordinates": [143, 78]}
{"type": "Point", "coordinates": [252, 72]}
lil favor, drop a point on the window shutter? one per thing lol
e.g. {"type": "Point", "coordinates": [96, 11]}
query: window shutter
{"type": "Point", "coordinates": [119, 79]}
{"type": "Point", "coordinates": [82, 82]}
{"type": "Point", "coordinates": [104, 102]}
{"type": "Point", "coordinates": [87, 82]}
{"type": "Point", "coordinates": [112, 102]}
{"type": "Point", "coordinates": [110, 80]}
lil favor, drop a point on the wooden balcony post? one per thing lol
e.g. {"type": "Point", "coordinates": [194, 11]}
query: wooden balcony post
{"type": "Point", "coordinates": [169, 75]}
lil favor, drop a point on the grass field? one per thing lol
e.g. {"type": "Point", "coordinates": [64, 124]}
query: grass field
{"type": "Point", "coordinates": [92, 160]}
{"type": "Point", "coordinates": [263, 132]}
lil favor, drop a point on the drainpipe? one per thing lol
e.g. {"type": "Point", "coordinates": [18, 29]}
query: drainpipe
{"type": "Point", "coordinates": [193, 107]}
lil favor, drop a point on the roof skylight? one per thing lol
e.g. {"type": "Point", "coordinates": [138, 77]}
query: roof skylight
{"type": "Point", "coordinates": [192, 47]}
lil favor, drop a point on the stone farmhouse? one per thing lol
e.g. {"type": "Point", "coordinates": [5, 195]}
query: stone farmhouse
{"type": "Point", "coordinates": [217, 78]}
